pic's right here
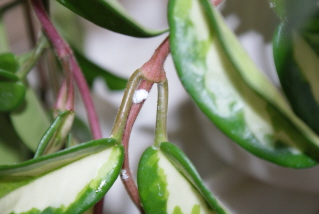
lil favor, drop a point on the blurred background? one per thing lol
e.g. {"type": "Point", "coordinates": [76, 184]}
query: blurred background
{"type": "Point", "coordinates": [242, 182]}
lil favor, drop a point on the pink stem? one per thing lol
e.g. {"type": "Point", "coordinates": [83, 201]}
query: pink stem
{"type": "Point", "coordinates": [216, 2]}
{"type": "Point", "coordinates": [64, 53]}
{"type": "Point", "coordinates": [153, 69]}
{"type": "Point", "coordinates": [128, 179]}
{"type": "Point", "coordinates": [87, 99]}
{"type": "Point", "coordinates": [153, 72]}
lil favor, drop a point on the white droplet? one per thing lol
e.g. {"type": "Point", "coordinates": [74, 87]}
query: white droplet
{"type": "Point", "coordinates": [140, 95]}
{"type": "Point", "coordinates": [124, 175]}
{"type": "Point", "coordinates": [272, 4]}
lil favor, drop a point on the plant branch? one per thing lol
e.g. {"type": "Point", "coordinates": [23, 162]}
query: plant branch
{"type": "Point", "coordinates": [127, 175]}
{"type": "Point", "coordinates": [69, 64]}
{"type": "Point", "coordinates": [33, 39]}
{"type": "Point", "coordinates": [152, 72]}
{"type": "Point", "coordinates": [64, 53]}
{"type": "Point", "coordinates": [153, 69]}
{"type": "Point", "coordinates": [41, 45]}
{"type": "Point", "coordinates": [121, 117]}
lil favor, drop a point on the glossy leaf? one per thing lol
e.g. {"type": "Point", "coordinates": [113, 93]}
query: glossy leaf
{"type": "Point", "coordinates": [8, 62]}
{"type": "Point", "coordinates": [30, 121]}
{"type": "Point", "coordinates": [297, 66]}
{"type": "Point", "coordinates": [110, 15]}
{"type": "Point", "coordinates": [169, 183]}
{"type": "Point", "coordinates": [12, 150]}
{"type": "Point", "coordinates": [231, 91]}
{"type": "Point", "coordinates": [70, 181]}
{"type": "Point", "coordinates": [92, 71]}
{"type": "Point", "coordinates": [11, 92]}
{"type": "Point", "coordinates": [8, 76]}
{"type": "Point", "coordinates": [11, 95]}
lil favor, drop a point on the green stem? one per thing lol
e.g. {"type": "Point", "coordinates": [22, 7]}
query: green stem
{"type": "Point", "coordinates": [42, 44]}
{"type": "Point", "coordinates": [161, 115]}
{"type": "Point", "coordinates": [122, 114]}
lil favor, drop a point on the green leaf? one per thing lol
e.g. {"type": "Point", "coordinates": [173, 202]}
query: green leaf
{"type": "Point", "coordinates": [110, 15]}
{"type": "Point", "coordinates": [11, 95]}
{"type": "Point", "coordinates": [30, 121]}
{"type": "Point", "coordinates": [8, 62]}
{"type": "Point", "coordinates": [297, 65]}
{"type": "Point", "coordinates": [12, 150]}
{"type": "Point", "coordinates": [92, 71]}
{"type": "Point", "coordinates": [55, 137]}
{"type": "Point", "coordinates": [70, 181]}
{"type": "Point", "coordinates": [231, 91]}
{"type": "Point", "coordinates": [169, 183]}
{"type": "Point", "coordinates": [8, 76]}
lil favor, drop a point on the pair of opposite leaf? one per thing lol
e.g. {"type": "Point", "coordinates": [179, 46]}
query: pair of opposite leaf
{"type": "Point", "coordinates": [73, 180]}
{"type": "Point", "coordinates": [208, 58]}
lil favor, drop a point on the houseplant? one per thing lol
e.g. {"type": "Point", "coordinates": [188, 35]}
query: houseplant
{"type": "Point", "coordinates": [196, 35]}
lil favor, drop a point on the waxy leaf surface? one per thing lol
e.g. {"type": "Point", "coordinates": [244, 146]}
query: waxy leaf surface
{"type": "Point", "coordinates": [11, 95]}
{"type": "Point", "coordinates": [110, 15]}
{"type": "Point", "coordinates": [231, 91]}
{"type": "Point", "coordinates": [70, 181]}
{"type": "Point", "coordinates": [297, 65]}
{"type": "Point", "coordinates": [8, 62]}
{"type": "Point", "coordinates": [11, 92]}
{"type": "Point", "coordinates": [169, 183]}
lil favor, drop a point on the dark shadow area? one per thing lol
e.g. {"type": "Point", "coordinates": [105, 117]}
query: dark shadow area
{"type": "Point", "coordinates": [253, 16]}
